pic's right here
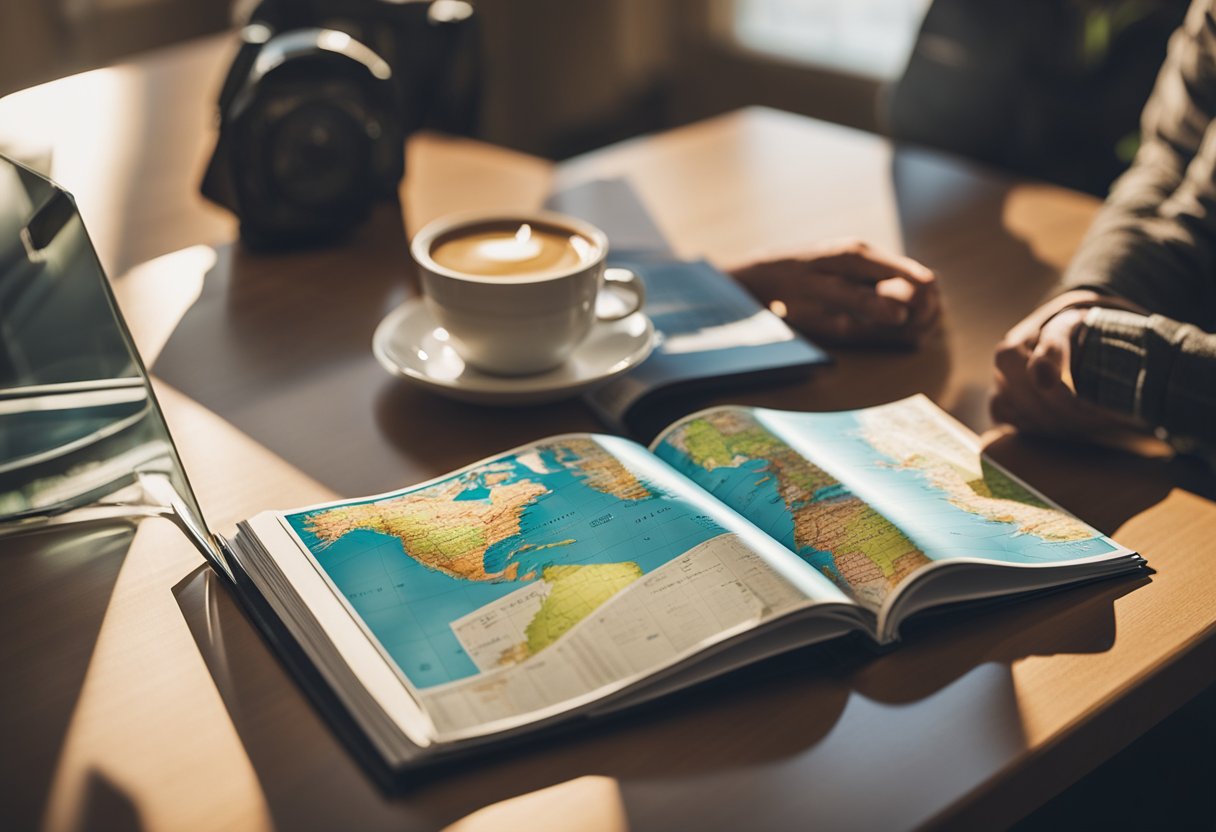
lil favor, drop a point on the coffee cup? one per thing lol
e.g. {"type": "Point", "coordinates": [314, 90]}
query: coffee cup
{"type": "Point", "coordinates": [516, 293]}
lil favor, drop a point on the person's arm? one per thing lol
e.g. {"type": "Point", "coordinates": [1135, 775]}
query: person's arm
{"type": "Point", "coordinates": [1154, 369]}
{"type": "Point", "coordinates": [1154, 241]}
{"type": "Point", "coordinates": [1148, 262]}
{"type": "Point", "coordinates": [1078, 368]}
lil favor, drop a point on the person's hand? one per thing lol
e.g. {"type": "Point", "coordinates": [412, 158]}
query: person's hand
{"type": "Point", "coordinates": [847, 293]}
{"type": "Point", "coordinates": [1034, 389]}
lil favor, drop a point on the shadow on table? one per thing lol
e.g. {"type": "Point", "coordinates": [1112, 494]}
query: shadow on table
{"type": "Point", "coordinates": [950, 216]}
{"type": "Point", "coordinates": [280, 346]}
{"type": "Point", "coordinates": [63, 580]}
{"type": "Point", "coordinates": [438, 434]}
{"type": "Point", "coordinates": [819, 710]}
{"type": "Point", "coordinates": [1072, 620]}
{"type": "Point", "coordinates": [946, 646]}
{"type": "Point", "coordinates": [105, 806]}
{"type": "Point", "coordinates": [310, 779]}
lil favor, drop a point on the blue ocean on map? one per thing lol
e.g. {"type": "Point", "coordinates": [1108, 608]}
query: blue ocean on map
{"type": "Point", "coordinates": [752, 491]}
{"type": "Point", "coordinates": [408, 607]}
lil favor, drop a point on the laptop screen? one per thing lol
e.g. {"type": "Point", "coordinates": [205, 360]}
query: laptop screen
{"type": "Point", "coordinates": [81, 434]}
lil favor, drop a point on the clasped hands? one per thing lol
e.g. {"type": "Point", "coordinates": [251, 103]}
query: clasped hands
{"type": "Point", "coordinates": [1034, 388]}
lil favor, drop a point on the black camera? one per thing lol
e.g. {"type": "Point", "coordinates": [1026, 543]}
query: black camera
{"type": "Point", "coordinates": [315, 110]}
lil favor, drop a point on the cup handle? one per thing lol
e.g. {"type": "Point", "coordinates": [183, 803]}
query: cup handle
{"type": "Point", "coordinates": [630, 282]}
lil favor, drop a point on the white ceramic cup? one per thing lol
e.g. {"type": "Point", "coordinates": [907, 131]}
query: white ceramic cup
{"type": "Point", "coordinates": [525, 323]}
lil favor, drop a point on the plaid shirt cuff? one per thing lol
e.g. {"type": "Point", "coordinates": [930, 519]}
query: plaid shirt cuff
{"type": "Point", "coordinates": [1110, 361]}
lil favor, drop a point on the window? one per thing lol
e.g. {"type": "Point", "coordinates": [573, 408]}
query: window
{"type": "Point", "coordinates": [868, 38]}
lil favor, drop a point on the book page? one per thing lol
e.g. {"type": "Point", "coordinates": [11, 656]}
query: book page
{"type": "Point", "coordinates": [546, 577]}
{"type": "Point", "coordinates": [869, 497]}
{"type": "Point", "coordinates": [736, 456]}
{"type": "Point", "coordinates": [927, 474]}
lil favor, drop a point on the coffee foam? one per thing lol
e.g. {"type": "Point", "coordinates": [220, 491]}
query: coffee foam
{"type": "Point", "coordinates": [511, 249]}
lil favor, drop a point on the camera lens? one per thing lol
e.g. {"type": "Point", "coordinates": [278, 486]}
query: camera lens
{"type": "Point", "coordinates": [318, 153]}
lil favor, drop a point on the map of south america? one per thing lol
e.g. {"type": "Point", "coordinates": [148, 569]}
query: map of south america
{"type": "Point", "coordinates": [835, 531]}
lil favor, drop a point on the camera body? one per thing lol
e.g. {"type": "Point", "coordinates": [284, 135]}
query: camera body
{"type": "Point", "coordinates": [321, 96]}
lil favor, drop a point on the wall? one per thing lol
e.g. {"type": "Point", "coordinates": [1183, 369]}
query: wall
{"type": "Point", "coordinates": [45, 39]}
{"type": "Point", "coordinates": [566, 75]}
{"type": "Point", "coordinates": [562, 77]}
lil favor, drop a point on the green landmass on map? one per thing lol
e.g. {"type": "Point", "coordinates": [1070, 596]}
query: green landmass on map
{"type": "Point", "coordinates": [869, 554]}
{"type": "Point", "coordinates": [598, 469]}
{"type": "Point", "coordinates": [452, 535]}
{"type": "Point", "coordinates": [998, 485]}
{"type": "Point", "coordinates": [439, 531]}
{"type": "Point", "coordinates": [575, 592]}
{"type": "Point", "coordinates": [916, 436]}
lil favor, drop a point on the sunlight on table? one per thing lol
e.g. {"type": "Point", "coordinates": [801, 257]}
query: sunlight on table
{"type": "Point", "coordinates": [587, 804]}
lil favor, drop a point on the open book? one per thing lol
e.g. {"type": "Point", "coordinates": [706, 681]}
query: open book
{"type": "Point", "coordinates": [585, 573]}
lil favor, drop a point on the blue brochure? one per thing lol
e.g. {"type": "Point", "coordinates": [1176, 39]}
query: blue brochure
{"type": "Point", "coordinates": [711, 331]}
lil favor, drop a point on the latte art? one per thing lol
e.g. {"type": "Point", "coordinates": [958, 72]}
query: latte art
{"type": "Point", "coordinates": [512, 250]}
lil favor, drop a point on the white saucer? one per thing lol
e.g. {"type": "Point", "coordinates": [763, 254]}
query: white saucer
{"type": "Point", "coordinates": [408, 343]}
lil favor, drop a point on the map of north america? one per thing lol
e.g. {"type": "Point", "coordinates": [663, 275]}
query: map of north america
{"type": "Point", "coordinates": [566, 516]}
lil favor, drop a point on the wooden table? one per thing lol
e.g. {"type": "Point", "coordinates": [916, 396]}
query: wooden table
{"type": "Point", "coordinates": [137, 694]}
